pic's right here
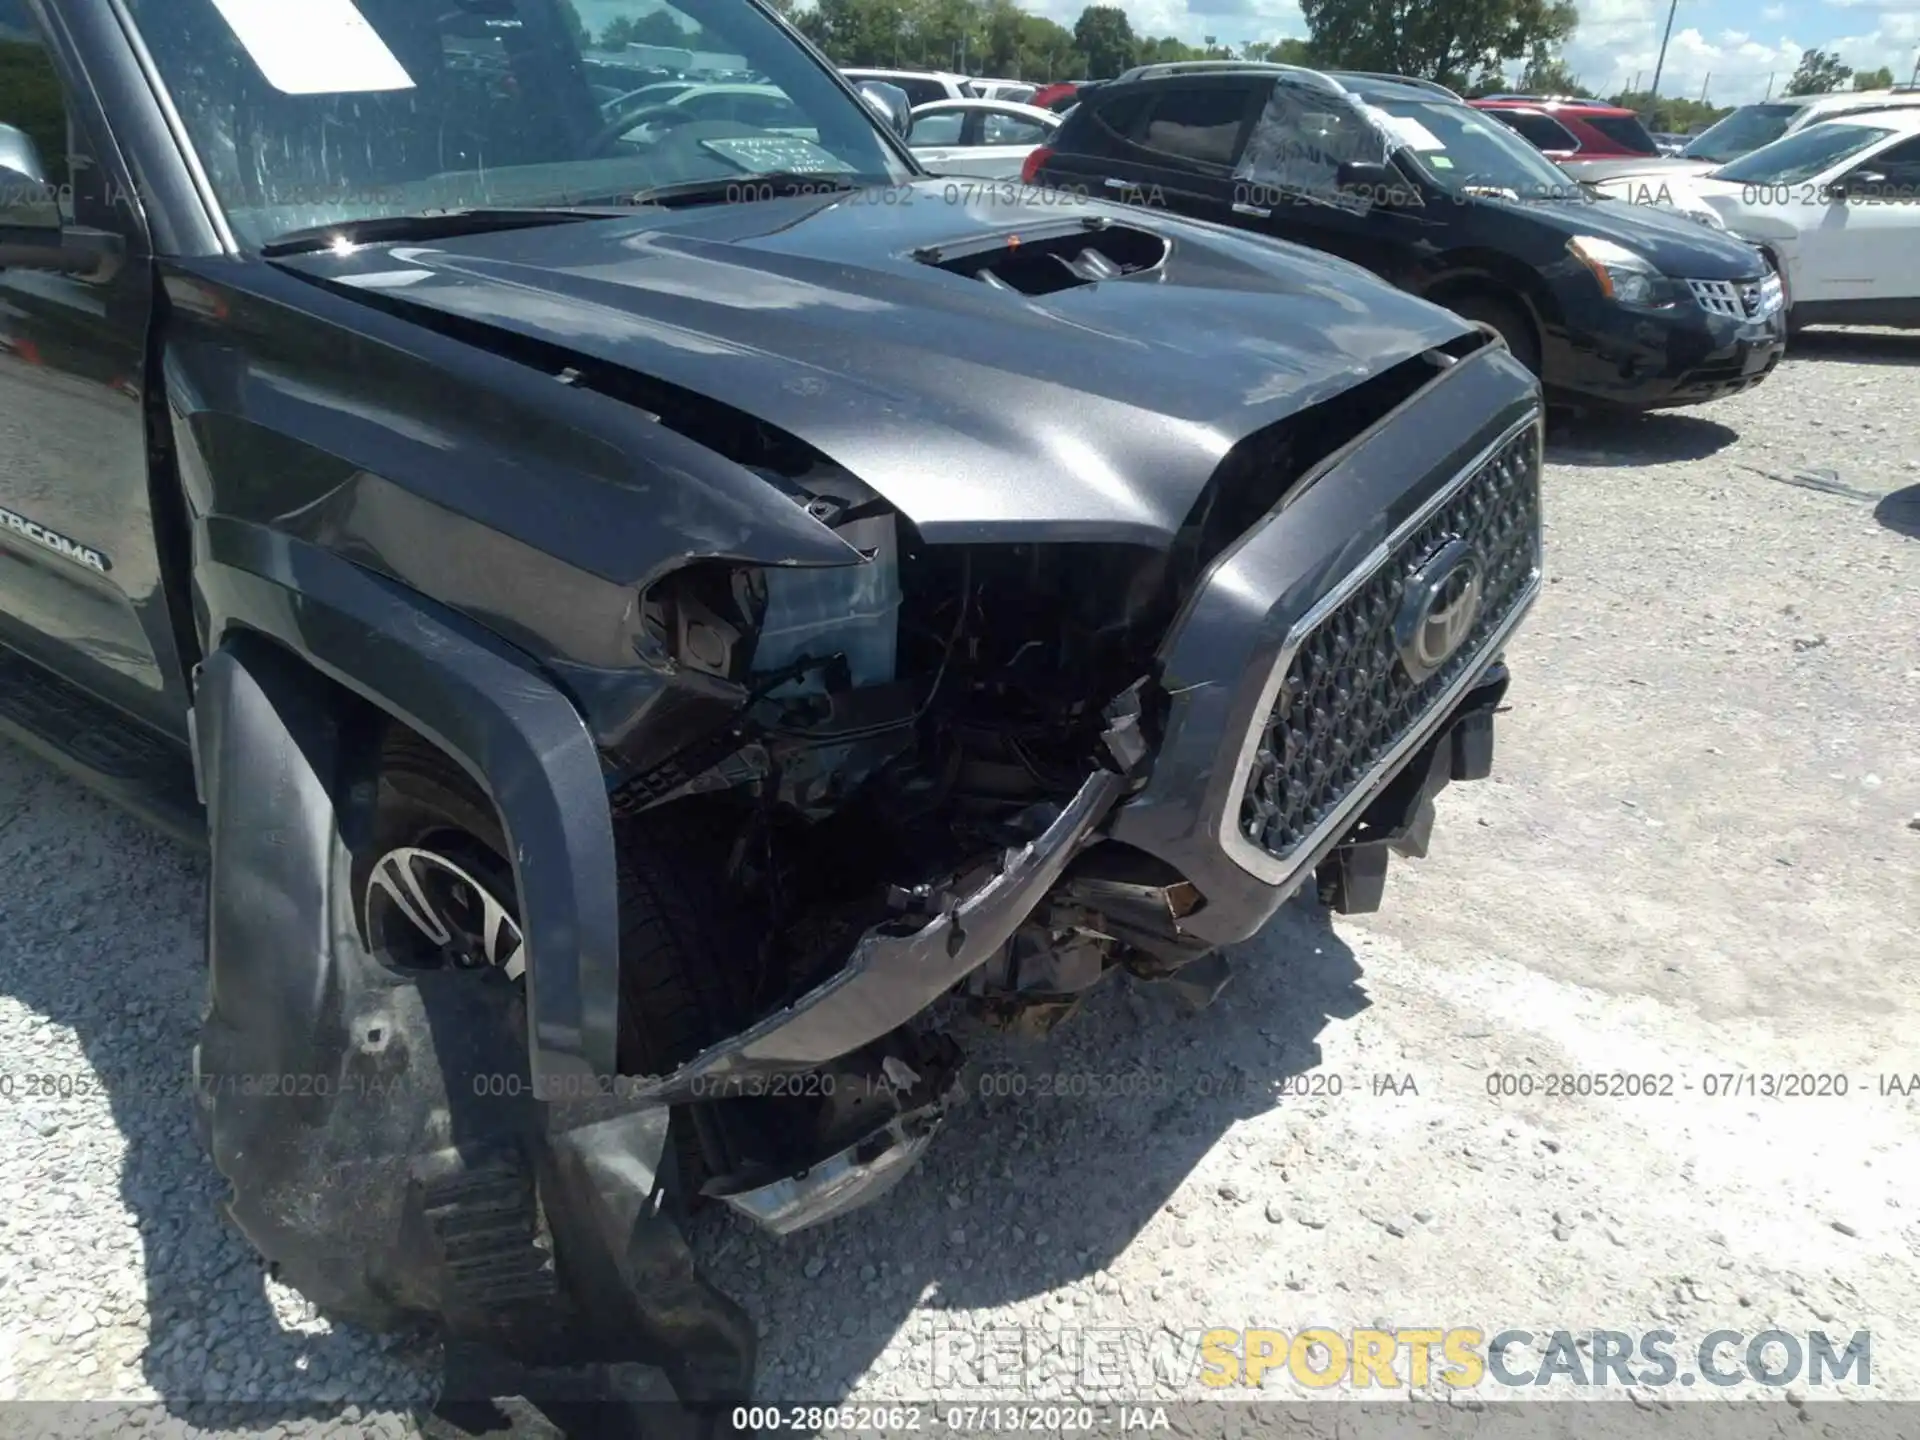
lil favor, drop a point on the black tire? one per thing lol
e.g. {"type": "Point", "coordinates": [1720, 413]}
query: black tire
{"type": "Point", "coordinates": [360, 1259]}
{"type": "Point", "coordinates": [425, 799]}
{"type": "Point", "coordinates": [1512, 322]}
{"type": "Point", "coordinates": [685, 957]}
{"type": "Point", "coordinates": [682, 950]}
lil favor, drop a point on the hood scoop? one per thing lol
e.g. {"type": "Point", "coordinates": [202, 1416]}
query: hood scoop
{"type": "Point", "coordinates": [1052, 258]}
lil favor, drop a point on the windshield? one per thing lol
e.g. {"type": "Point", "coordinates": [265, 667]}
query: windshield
{"type": "Point", "coordinates": [1464, 151]}
{"type": "Point", "coordinates": [1747, 128]}
{"type": "Point", "coordinates": [1626, 131]}
{"type": "Point", "coordinates": [1802, 155]}
{"type": "Point", "coordinates": [327, 110]}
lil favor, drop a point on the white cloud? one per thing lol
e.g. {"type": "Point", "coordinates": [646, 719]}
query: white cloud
{"type": "Point", "coordinates": [1232, 22]}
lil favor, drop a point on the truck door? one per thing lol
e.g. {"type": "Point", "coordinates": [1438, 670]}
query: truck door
{"type": "Point", "coordinates": [80, 586]}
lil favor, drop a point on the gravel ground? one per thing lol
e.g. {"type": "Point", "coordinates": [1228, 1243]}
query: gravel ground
{"type": "Point", "coordinates": [1699, 855]}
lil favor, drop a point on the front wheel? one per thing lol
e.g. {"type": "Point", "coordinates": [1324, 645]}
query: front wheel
{"type": "Point", "coordinates": [1506, 318]}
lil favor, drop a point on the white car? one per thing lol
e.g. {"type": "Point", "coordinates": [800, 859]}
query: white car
{"type": "Point", "coordinates": [923, 87]}
{"type": "Point", "coordinates": [1836, 206]}
{"type": "Point", "coordinates": [1018, 91]}
{"type": "Point", "coordinates": [1747, 129]}
{"type": "Point", "coordinates": [990, 139]}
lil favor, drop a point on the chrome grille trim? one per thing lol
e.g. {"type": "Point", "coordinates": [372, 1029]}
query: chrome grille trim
{"type": "Point", "coordinates": [1278, 870]}
{"type": "Point", "coordinates": [1739, 299]}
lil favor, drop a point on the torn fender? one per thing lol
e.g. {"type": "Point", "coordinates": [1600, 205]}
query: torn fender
{"type": "Point", "coordinates": [518, 736]}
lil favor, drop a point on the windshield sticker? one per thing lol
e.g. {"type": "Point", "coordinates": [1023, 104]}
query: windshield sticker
{"type": "Point", "coordinates": [314, 47]}
{"type": "Point", "coordinates": [761, 153]}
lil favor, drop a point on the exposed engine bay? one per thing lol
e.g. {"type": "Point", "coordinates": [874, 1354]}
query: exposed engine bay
{"type": "Point", "coordinates": [873, 740]}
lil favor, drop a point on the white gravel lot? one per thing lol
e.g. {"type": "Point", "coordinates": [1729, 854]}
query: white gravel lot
{"type": "Point", "coordinates": [1700, 854]}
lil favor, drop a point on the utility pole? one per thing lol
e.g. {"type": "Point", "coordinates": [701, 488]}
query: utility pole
{"type": "Point", "coordinates": [1660, 64]}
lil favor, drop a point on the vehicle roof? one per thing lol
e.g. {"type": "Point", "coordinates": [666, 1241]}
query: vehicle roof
{"type": "Point", "coordinates": [1394, 87]}
{"type": "Point", "coordinates": [1433, 87]}
{"type": "Point", "coordinates": [1361, 84]}
{"type": "Point", "coordinates": [1549, 107]}
{"type": "Point", "coordinates": [1586, 101]}
{"type": "Point", "coordinates": [1898, 119]}
{"type": "Point", "coordinates": [957, 79]}
{"type": "Point", "coordinates": [1194, 67]}
{"type": "Point", "coordinates": [1160, 74]}
{"type": "Point", "coordinates": [1847, 100]}
{"type": "Point", "coordinates": [1015, 107]}
{"type": "Point", "coordinates": [727, 87]}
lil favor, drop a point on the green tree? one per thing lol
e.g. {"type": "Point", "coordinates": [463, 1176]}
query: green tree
{"type": "Point", "coordinates": [657, 27]}
{"type": "Point", "coordinates": [1677, 114]}
{"type": "Point", "coordinates": [576, 27]}
{"type": "Point", "coordinates": [1547, 73]}
{"type": "Point", "coordinates": [1047, 51]}
{"type": "Point", "coordinates": [1818, 72]}
{"type": "Point", "coordinates": [1881, 79]}
{"type": "Point", "coordinates": [864, 32]}
{"type": "Point", "coordinates": [1278, 52]}
{"type": "Point", "coordinates": [1448, 42]}
{"type": "Point", "coordinates": [1104, 35]}
{"type": "Point", "coordinates": [1162, 50]}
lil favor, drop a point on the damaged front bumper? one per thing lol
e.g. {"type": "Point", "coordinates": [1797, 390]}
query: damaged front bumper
{"type": "Point", "coordinates": [1154, 861]}
{"type": "Point", "coordinates": [899, 968]}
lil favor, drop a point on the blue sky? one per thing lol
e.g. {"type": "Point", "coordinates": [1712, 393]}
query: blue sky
{"type": "Point", "coordinates": [1731, 46]}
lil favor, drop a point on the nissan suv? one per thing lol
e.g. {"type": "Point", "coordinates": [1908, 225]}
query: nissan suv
{"type": "Point", "coordinates": [1612, 305]}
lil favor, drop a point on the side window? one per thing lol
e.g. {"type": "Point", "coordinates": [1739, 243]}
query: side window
{"type": "Point", "coordinates": [1198, 125]}
{"type": "Point", "coordinates": [998, 129]}
{"type": "Point", "coordinates": [1543, 132]}
{"type": "Point", "coordinates": [940, 128]}
{"type": "Point", "coordinates": [1119, 116]}
{"type": "Point", "coordinates": [768, 112]}
{"type": "Point", "coordinates": [1901, 166]}
{"type": "Point", "coordinates": [32, 103]}
{"type": "Point", "coordinates": [923, 92]}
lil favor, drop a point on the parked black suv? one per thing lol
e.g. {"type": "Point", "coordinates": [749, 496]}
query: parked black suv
{"type": "Point", "coordinates": [644, 606]}
{"type": "Point", "coordinates": [1608, 303]}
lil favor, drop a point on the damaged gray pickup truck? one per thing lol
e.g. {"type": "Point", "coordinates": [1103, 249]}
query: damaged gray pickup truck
{"type": "Point", "coordinates": [645, 593]}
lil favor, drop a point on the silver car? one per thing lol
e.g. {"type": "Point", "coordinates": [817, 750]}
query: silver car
{"type": "Point", "coordinates": [990, 139]}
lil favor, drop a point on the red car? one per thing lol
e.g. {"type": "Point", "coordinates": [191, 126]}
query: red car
{"type": "Point", "coordinates": [1571, 130]}
{"type": "Point", "coordinates": [1057, 96]}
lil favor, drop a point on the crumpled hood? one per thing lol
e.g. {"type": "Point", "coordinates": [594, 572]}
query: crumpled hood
{"type": "Point", "coordinates": [1097, 411]}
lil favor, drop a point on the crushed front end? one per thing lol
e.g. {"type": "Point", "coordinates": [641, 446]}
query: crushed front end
{"type": "Point", "coordinates": [988, 775]}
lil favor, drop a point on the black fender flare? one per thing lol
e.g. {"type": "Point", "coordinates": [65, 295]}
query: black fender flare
{"type": "Point", "coordinates": [518, 735]}
{"type": "Point", "coordinates": [382, 1210]}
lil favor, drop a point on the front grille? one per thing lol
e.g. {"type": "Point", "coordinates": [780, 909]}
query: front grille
{"type": "Point", "coordinates": [1346, 698]}
{"type": "Point", "coordinates": [1739, 299]}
